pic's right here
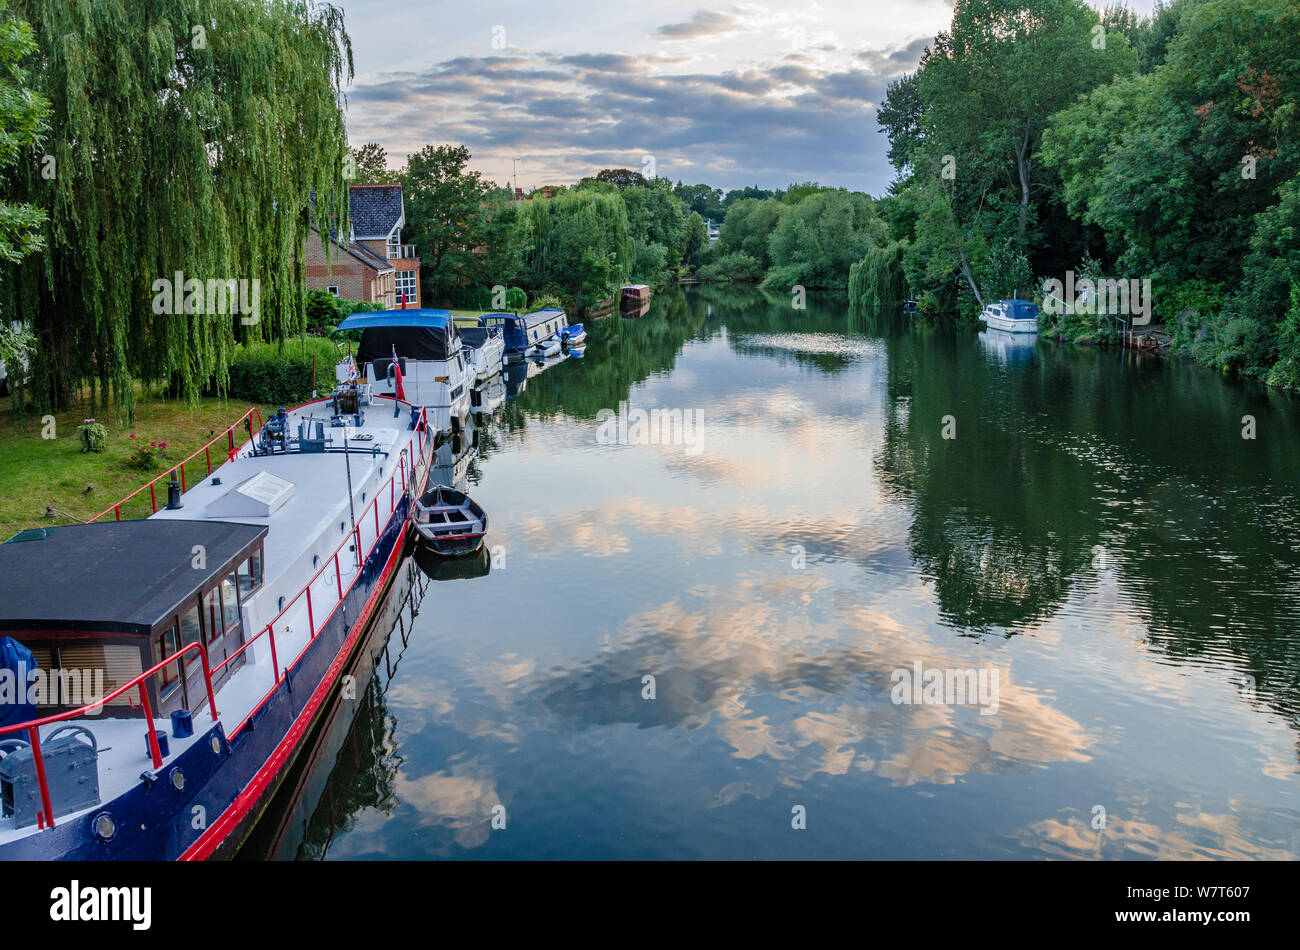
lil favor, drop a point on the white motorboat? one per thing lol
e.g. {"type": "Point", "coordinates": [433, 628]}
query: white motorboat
{"type": "Point", "coordinates": [485, 348]}
{"type": "Point", "coordinates": [1011, 316]}
{"type": "Point", "coordinates": [415, 354]}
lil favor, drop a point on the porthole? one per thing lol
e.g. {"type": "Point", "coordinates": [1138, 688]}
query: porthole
{"type": "Point", "coordinates": [105, 826]}
{"type": "Point", "coordinates": [215, 743]}
{"type": "Point", "coordinates": [178, 780]}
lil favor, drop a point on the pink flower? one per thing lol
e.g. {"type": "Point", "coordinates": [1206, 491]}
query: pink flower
{"type": "Point", "coordinates": [133, 435]}
{"type": "Point", "coordinates": [153, 445]}
{"type": "Point", "coordinates": [162, 445]}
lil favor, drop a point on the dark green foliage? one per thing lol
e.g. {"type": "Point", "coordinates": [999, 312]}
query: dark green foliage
{"type": "Point", "coordinates": [271, 376]}
{"type": "Point", "coordinates": [188, 136]}
{"type": "Point", "coordinates": [877, 286]}
{"type": "Point", "coordinates": [736, 265]}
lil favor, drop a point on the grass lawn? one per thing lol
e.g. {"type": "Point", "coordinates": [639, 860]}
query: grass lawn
{"type": "Point", "coordinates": [36, 473]}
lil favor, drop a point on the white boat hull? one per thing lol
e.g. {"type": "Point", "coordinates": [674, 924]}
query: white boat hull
{"type": "Point", "coordinates": [543, 349]}
{"type": "Point", "coordinates": [487, 359]}
{"type": "Point", "coordinates": [1007, 325]}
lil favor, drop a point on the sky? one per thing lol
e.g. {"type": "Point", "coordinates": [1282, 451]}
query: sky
{"type": "Point", "coordinates": [734, 95]}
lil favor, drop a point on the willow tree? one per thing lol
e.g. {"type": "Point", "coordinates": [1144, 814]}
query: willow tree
{"type": "Point", "coordinates": [877, 283]}
{"type": "Point", "coordinates": [579, 242]}
{"type": "Point", "coordinates": [187, 137]}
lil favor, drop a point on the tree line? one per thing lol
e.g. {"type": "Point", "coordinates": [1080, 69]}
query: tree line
{"type": "Point", "coordinates": [576, 245]}
{"type": "Point", "coordinates": [1040, 137]}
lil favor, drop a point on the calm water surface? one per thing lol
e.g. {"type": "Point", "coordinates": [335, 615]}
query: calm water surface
{"type": "Point", "coordinates": [1098, 536]}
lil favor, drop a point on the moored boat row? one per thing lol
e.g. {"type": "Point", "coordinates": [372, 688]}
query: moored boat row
{"type": "Point", "coordinates": [219, 625]}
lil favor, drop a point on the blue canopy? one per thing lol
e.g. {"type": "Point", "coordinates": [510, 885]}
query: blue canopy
{"type": "Point", "coordinates": [433, 319]}
{"type": "Point", "coordinates": [1018, 309]}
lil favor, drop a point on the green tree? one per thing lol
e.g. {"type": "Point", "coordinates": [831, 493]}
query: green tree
{"type": "Point", "coordinates": [749, 227]}
{"type": "Point", "coordinates": [997, 75]}
{"type": "Point", "coordinates": [577, 242]}
{"type": "Point", "coordinates": [657, 224]}
{"type": "Point", "coordinates": [749, 191]}
{"type": "Point", "coordinates": [370, 163]}
{"type": "Point", "coordinates": [899, 117]}
{"type": "Point", "coordinates": [23, 123]}
{"type": "Point", "coordinates": [187, 137]}
{"type": "Point", "coordinates": [817, 240]}
{"type": "Point", "coordinates": [618, 177]}
{"type": "Point", "coordinates": [704, 200]}
{"type": "Point", "coordinates": [697, 241]}
{"type": "Point", "coordinates": [443, 217]}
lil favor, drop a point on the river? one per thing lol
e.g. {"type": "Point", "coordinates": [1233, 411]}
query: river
{"type": "Point", "coordinates": [726, 646]}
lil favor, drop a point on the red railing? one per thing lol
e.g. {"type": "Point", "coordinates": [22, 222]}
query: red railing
{"type": "Point", "coordinates": [353, 536]}
{"type": "Point", "coordinates": [228, 434]}
{"type": "Point", "coordinates": [46, 818]}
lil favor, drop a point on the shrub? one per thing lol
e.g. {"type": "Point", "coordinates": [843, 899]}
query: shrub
{"type": "Point", "coordinates": [147, 457]}
{"type": "Point", "coordinates": [734, 266]}
{"type": "Point", "coordinates": [546, 302]}
{"type": "Point", "coordinates": [272, 375]}
{"type": "Point", "coordinates": [93, 436]}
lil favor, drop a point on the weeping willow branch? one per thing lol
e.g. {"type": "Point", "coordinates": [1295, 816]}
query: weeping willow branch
{"type": "Point", "coordinates": [186, 137]}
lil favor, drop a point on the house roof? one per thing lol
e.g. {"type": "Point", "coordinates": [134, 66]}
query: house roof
{"type": "Point", "coordinates": [361, 253]}
{"type": "Point", "coordinates": [128, 576]}
{"type": "Point", "coordinates": [375, 210]}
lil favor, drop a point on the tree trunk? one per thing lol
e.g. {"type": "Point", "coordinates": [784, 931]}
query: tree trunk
{"type": "Point", "coordinates": [1023, 168]}
{"type": "Point", "coordinates": [965, 270]}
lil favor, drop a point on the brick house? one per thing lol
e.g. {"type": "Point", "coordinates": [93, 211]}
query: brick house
{"type": "Point", "coordinates": [373, 264]}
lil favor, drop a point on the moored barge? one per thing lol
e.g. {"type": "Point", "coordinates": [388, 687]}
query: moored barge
{"type": "Point", "coordinates": [215, 630]}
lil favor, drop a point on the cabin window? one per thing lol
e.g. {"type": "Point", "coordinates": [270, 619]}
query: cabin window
{"type": "Point", "coordinates": [212, 616]}
{"type": "Point", "coordinates": [230, 600]}
{"type": "Point", "coordinates": [250, 575]}
{"type": "Point", "coordinates": [167, 644]}
{"type": "Point", "coordinates": [92, 671]}
{"type": "Point", "coordinates": [191, 629]}
{"type": "Point", "coordinates": [332, 289]}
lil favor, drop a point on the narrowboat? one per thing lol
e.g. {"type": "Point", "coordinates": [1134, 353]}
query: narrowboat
{"type": "Point", "coordinates": [520, 333]}
{"type": "Point", "coordinates": [634, 295]}
{"type": "Point", "coordinates": [1011, 316]}
{"type": "Point", "coordinates": [168, 699]}
{"type": "Point", "coordinates": [430, 370]}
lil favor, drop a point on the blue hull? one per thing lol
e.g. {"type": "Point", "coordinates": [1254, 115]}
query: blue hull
{"type": "Point", "coordinates": [157, 822]}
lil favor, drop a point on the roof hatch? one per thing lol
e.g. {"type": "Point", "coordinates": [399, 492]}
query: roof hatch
{"type": "Point", "coordinates": [258, 497]}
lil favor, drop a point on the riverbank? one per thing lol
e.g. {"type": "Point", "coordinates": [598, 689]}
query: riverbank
{"type": "Point", "coordinates": [43, 467]}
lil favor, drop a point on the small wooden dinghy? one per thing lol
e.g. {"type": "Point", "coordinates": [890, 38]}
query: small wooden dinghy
{"type": "Point", "coordinates": [450, 522]}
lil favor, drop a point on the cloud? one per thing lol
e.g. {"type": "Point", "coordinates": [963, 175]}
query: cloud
{"type": "Point", "coordinates": [567, 115]}
{"type": "Point", "coordinates": [703, 23]}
